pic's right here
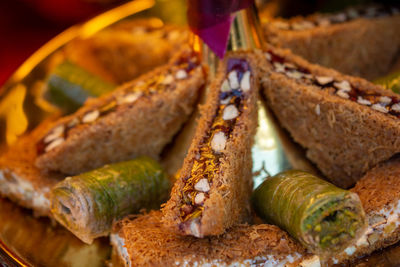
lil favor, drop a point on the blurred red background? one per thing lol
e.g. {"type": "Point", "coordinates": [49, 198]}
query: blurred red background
{"type": "Point", "coordinates": [25, 25]}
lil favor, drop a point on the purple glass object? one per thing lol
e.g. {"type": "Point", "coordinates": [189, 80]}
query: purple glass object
{"type": "Point", "coordinates": [211, 21]}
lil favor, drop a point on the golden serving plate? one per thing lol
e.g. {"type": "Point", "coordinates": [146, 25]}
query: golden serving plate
{"type": "Point", "coordinates": [29, 241]}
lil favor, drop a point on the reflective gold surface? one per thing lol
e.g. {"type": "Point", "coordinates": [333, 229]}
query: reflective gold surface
{"type": "Point", "coordinates": [29, 241]}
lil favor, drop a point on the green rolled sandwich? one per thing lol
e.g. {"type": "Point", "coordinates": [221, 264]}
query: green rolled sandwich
{"type": "Point", "coordinates": [391, 82]}
{"type": "Point", "coordinates": [69, 86]}
{"type": "Point", "coordinates": [323, 217]}
{"type": "Point", "coordinates": [88, 204]}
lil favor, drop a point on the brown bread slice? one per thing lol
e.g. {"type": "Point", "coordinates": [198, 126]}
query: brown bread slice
{"type": "Point", "coordinates": [139, 118]}
{"type": "Point", "coordinates": [128, 49]}
{"type": "Point", "coordinates": [344, 137]}
{"type": "Point", "coordinates": [20, 180]}
{"type": "Point", "coordinates": [227, 184]}
{"type": "Point", "coordinates": [361, 42]}
{"type": "Point", "coordinates": [146, 241]}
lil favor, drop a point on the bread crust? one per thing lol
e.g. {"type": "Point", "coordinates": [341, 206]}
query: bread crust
{"type": "Point", "coordinates": [365, 47]}
{"type": "Point", "coordinates": [141, 128]}
{"type": "Point", "coordinates": [228, 202]}
{"type": "Point", "coordinates": [344, 138]}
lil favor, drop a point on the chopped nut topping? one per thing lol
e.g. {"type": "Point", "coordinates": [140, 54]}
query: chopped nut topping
{"type": "Point", "coordinates": [202, 185]}
{"type": "Point", "coordinates": [318, 110]}
{"type": "Point", "coordinates": [343, 85]}
{"type": "Point", "coordinates": [396, 107]}
{"type": "Point", "coordinates": [181, 74]}
{"type": "Point", "coordinates": [218, 142]}
{"type": "Point", "coordinates": [363, 101]}
{"type": "Point", "coordinates": [225, 86]}
{"type": "Point", "coordinates": [294, 74]}
{"type": "Point", "coordinates": [343, 94]}
{"type": "Point", "coordinates": [54, 144]}
{"type": "Point", "coordinates": [379, 108]}
{"type": "Point", "coordinates": [245, 82]}
{"type": "Point", "coordinates": [195, 228]}
{"type": "Point", "coordinates": [279, 67]}
{"type": "Point", "coordinates": [91, 116]}
{"type": "Point", "coordinates": [168, 79]}
{"type": "Point", "coordinates": [268, 56]}
{"type": "Point", "coordinates": [130, 98]}
{"type": "Point", "coordinates": [230, 112]}
{"type": "Point", "coordinates": [199, 199]}
{"type": "Point", "coordinates": [55, 133]}
{"type": "Point", "coordinates": [324, 80]}
{"type": "Point", "coordinates": [233, 80]}
{"type": "Point", "coordinates": [73, 122]}
{"type": "Point", "coordinates": [385, 100]}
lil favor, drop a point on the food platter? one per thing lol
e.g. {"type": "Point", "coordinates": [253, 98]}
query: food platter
{"type": "Point", "coordinates": [29, 241]}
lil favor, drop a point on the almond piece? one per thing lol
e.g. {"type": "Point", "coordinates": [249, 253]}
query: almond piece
{"type": "Point", "coordinates": [233, 80]}
{"type": "Point", "coordinates": [396, 107]}
{"type": "Point", "coordinates": [54, 144]}
{"type": "Point", "coordinates": [202, 185]}
{"type": "Point", "coordinates": [318, 109]}
{"type": "Point", "coordinates": [245, 82]}
{"type": "Point", "coordinates": [168, 79]}
{"type": "Point", "coordinates": [323, 80]}
{"type": "Point", "coordinates": [130, 98]}
{"type": "Point", "coordinates": [279, 67]}
{"type": "Point", "coordinates": [91, 116]}
{"type": "Point", "coordinates": [294, 74]}
{"type": "Point", "coordinates": [55, 133]}
{"type": "Point", "coordinates": [181, 74]}
{"type": "Point", "coordinates": [343, 94]}
{"type": "Point", "coordinates": [363, 101]}
{"type": "Point", "coordinates": [268, 56]}
{"type": "Point", "coordinates": [195, 228]}
{"type": "Point", "coordinates": [385, 100]}
{"type": "Point", "coordinates": [225, 86]}
{"type": "Point", "coordinates": [199, 198]}
{"type": "Point", "coordinates": [343, 85]}
{"type": "Point", "coordinates": [230, 112]}
{"type": "Point", "coordinates": [218, 142]}
{"type": "Point", "coordinates": [379, 108]}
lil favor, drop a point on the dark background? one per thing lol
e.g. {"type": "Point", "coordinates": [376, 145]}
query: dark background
{"type": "Point", "coordinates": [25, 25]}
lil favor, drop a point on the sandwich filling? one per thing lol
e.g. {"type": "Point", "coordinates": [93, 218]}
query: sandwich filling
{"type": "Point", "coordinates": [206, 162]}
{"type": "Point", "coordinates": [165, 81]}
{"type": "Point", "coordinates": [386, 104]}
{"type": "Point", "coordinates": [331, 19]}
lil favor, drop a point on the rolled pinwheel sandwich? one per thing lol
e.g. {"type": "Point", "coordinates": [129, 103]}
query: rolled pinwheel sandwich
{"type": "Point", "coordinates": [355, 41]}
{"type": "Point", "coordinates": [212, 192]}
{"type": "Point", "coordinates": [321, 216]}
{"type": "Point", "coordinates": [88, 204]}
{"type": "Point", "coordinates": [146, 241]}
{"type": "Point", "coordinates": [346, 124]}
{"type": "Point", "coordinates": [137, 119]}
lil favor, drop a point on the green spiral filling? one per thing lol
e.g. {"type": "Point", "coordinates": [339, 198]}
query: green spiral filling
{"type": "Point", "coordinates": [323, 217]}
